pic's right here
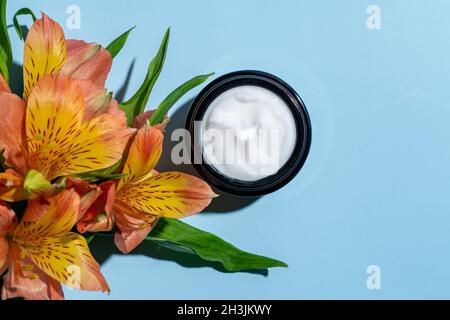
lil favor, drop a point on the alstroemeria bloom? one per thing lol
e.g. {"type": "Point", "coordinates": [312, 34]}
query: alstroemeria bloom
{"type": "Point", "coordinates": [67, 123]}
{"type": "Point", "coordinates": [41, 253]}
{"type": "Point", "coordinates": [144, 195]}
{"type": "Point", "coordinates": [48, 52]}
{"type": "Point", "coordinates": [52, 136]}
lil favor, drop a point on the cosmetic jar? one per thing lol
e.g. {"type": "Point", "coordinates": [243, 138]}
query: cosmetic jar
{"type": "Point", "coordinates": [250, 133]}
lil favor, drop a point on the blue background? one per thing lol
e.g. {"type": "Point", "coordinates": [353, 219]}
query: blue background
{"type": "Point", "coordinates": [375, 188]}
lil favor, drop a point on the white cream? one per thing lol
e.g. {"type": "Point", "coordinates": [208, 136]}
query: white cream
{"type": "Point", "coordinates": [248, 133]}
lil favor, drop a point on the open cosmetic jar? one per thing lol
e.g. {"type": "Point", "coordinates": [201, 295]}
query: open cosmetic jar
{"type": "Point", "coordinates": [250, 133]}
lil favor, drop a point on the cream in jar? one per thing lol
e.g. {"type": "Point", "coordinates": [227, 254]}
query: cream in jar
{"type": "Point", "coordinates": [248, 133]}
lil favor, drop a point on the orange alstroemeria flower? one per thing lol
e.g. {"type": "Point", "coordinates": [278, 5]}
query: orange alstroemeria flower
{"type": "Point", "coordinates": [41, 253]}
{"type": "Point", "coordinates": [48, 52]}
{"type": "Point", "coordinates": [143, 195]}
{"type": "Point", "coordinates": [66, 124]}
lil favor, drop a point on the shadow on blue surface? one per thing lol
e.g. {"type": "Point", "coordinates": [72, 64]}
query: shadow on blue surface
{"type": "Point", "coordinates": [120, 94]}
{"type": "Point", "coordinates": [16, 79]}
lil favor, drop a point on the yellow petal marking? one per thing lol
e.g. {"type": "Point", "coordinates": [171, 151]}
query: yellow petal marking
{"type": "Point", "coordinates": [168, 194]}
{"type": "Point", "coordinates": [44, 237]}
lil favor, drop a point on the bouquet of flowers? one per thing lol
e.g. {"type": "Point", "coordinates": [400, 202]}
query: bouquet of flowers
{"type": "Point", "coordinates": [77, 163]}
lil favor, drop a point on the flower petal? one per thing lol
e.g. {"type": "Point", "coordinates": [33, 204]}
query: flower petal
{"type": "Point", "coordinates": [69, 261]}
{"type": "Point", "coordinates": [133, 226]}
{"type": "Point", "coordinates": [25, 280]}
{"type": "Point", "coordinates": [126, 241]}
{"type": "Point", "coordinates": [98, 101]}
{"type": "Point", "coordinates": [88, 193]}
{"type": "Point", "coordinates": [129, 218]}
{"type": "Point", "coordinates": [99, 215]}
{"type": "Point", "coordinates": [143, 155]}
{"type": "Point", "coordinates": [44, 237]}
{"type": "Point", "coordinates": [45, 52]}
{"type": "Point", "coordinates": [59, 143]}
{"type": "Point", "coordinates": [12, 110]}
{"type": "Point", "coordinates": [8, 222]}
{"type": "Point", "coordinates": [48, 218]}
{"type": "Point", "coordinates": [4, 85]}
{"type": "Point", "coordinates": [87, 61]}
{"type": "Point", "coordinates": [11, 186]}
{"type": "Point", "coordinates": [168, 194]}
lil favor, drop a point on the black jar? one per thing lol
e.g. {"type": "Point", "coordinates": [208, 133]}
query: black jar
{"type": "Point", "coordinates": [303, 140]}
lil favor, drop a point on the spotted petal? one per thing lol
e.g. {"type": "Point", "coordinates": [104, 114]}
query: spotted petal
{"type": "Point", "coordinates": [60, 143]}
{"type": "Point", "coordinates": [87, 61]}
{"type": "Point", "coordinates": [45, 52]}
{"type": "Point", "coordinates": [44, 237]}
{"type": "Point", "coordinates": [143, 155]}
{"type": "Point", "coordinates": [168, 194]}
{"type": "Point", "coordinates": [49, 218]}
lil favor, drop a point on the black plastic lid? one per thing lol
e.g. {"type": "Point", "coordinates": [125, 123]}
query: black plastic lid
{"type": "Point", "coordinates": [289, 170]}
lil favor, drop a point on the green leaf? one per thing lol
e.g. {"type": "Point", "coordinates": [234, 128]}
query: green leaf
{"type": "Point", "coordinates": [89, 236]}
{"type": "Point", "coordinates": [117, 44]}
{"type": "Point", "coordinates": [172, 232]}
{"type": "Point", "coordinates": [95, 176]}
{"type": "Point", "coordinates": [136, 104]}
{"type": "Point", "coordinates": [174, 247]}
{"type": "Point", "coordinates": [174, 96]}
{"type": "Point", "coordinates": [5, 44]}
{"type": "Point", "coordinates": [22, 12]}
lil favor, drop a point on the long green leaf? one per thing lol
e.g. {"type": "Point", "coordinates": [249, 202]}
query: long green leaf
{"type": "Point", "coordinates": [22, 12]}
{"type": "Point", "coordinates": [174, 96]}
{"type": "Point", "coordinates": [5, 44]}
{"type": "Point", "coordinates": [136, 104]}
{"type": "Point", "coordinates": [99, 175]}
{"type": "Point", "coordinates": [171, 232]}
{"type": "Point", "coordinates": [117, 44]}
